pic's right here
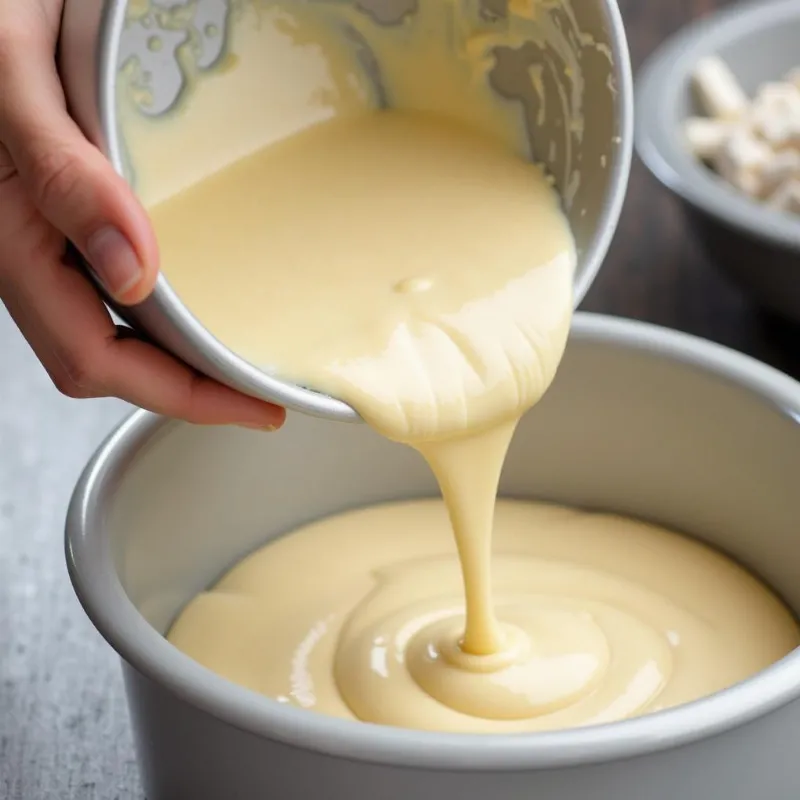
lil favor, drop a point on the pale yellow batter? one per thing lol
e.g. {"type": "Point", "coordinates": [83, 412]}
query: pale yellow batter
{"type": "Point", "coordinates": [415, 264]}
{"type": "Point", "coordinates": [432, 310]}
{"type": "Point", "coordinates": [605, 618]}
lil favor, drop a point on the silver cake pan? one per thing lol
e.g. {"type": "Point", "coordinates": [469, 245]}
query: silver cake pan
{"type": "Point", "coordinates": [640, 420]}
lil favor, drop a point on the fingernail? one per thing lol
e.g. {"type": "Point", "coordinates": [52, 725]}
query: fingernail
{"type": "Point", "coordinates": [114, 261]}
{"type": "Point", "coordinates": [263, 428]}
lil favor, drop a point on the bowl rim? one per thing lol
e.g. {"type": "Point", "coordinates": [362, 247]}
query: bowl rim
{"type": "Point", "coordinates": [658, 140]}
{"type": "Point", "coordinates": [205, 350]}
{"type": "Point", "coordinates": [91, 569]}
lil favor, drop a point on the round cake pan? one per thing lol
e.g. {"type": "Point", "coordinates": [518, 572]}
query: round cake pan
{"type": "Point", "coordinates": [640, 421]}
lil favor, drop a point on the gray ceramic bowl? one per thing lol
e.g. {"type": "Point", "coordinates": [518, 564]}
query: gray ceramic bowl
{"type": "Point", "coordinates": [757, 247]}
{"type": "Point", "coordinates": [94, 40]}
{"type": "Point", "coordinates": [640, 420]}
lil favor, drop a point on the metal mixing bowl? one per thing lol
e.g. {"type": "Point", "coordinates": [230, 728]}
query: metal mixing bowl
{"type": "Point", "coordinates": [95, 40]}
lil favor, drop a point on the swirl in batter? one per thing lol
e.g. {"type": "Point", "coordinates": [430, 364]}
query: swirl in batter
{"type": "Point", "coordinates": [602, 618]}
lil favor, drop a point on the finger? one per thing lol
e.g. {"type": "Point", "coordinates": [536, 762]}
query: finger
{"type": "Point", "coordinates": [86, 358]}
{"type": "Point", "coordinates": [69, 179]}
{"type": "Point", "coordinates": [194, 397]}
{"type": "Point", "coordinates": [69, 328]}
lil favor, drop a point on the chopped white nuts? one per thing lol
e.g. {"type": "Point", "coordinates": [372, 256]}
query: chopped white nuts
{"type": "Point", "coordinates": [787, 197]}
{"type": "Point", "coordinates": [781, 167]}
{"type": "Point", "coordinates": [707, 135]}
{"type": "Point", "coordinates": [741, 160]}
{"type": "Point", "coordinates": [752, 144]}
{"type": "Point", "coordinates": [794, 77]}
{"type": "Point", "coordinates": [718, 90]}
{"type": "Point", "coordinates": [775, 114]}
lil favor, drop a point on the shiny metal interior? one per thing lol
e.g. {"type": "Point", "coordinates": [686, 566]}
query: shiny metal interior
{"type": "Point", "coordinates": [100, 39]}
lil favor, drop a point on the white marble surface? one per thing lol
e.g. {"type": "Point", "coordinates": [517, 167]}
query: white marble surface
{"type": "Point", "coordinates": [63, 723]}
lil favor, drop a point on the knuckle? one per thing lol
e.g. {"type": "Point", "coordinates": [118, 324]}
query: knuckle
{"type": "Point", "coordinates": [66, 387]}
{"type": "Point", "coordinates": [78, 375]}
{"type": "Point", "coordinates": [7, 167]}
{"type": "Point", "coordinates": [55, 177]}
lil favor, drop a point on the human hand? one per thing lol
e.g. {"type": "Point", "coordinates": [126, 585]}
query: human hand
{"type": "Point", "coordinates": [56, 186]}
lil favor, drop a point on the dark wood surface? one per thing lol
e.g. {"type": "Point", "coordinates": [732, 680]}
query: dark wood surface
{"type": "Point", "coordinates": [63, 726]}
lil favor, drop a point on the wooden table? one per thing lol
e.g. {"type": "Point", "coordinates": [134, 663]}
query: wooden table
{"type": "Point", "coordinates": [63, 726]}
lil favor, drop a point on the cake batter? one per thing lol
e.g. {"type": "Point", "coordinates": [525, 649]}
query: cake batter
{"type": "Point", "coordinates": [414, 263]}
{"type": "Point", "coordinates": [606, 618]}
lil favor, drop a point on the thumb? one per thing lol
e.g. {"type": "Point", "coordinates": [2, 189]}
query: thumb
{"type": "Point", "coordinates": [70, 181]}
